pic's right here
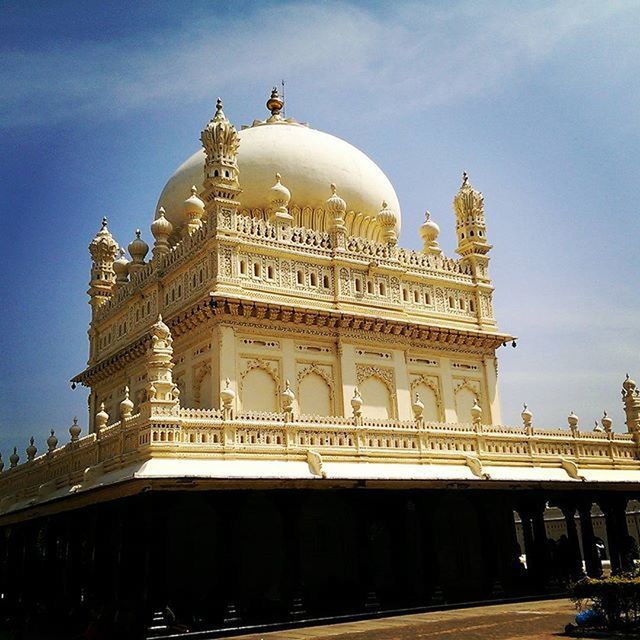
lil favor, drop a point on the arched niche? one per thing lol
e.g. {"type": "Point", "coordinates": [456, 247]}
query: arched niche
{"type": "Point", "coordinates": [315, 395]}
{"type": "Point", "coordinates": [429, 398]}
{"type": "Point", "coordinates": [259, 391]}
{"type": "Point", "coordinates": [376, 398]}
{"type": "Point", "coordinates": [465, 399]}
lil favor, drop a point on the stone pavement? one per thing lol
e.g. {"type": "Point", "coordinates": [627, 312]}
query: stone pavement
{"type": "Point", "coordinates": [542, 620]}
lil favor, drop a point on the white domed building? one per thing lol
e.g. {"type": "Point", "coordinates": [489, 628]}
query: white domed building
{"type": "Point", "coordinates": [292, 417]}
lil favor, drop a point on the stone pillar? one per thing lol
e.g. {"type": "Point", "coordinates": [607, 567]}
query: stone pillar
{"type": "Point", "coordinates": [591, 556]}
{"type": "Point", "coordinates": [532, 511]}
{"type": "Point", "coordinates": [227, 360]}
{"type": "Point", "coordinates": [448, 396]}
{"type": "Point", "coordinates": [403, 386]}
{"type": "Point", "coordinates": [575, 558]}
{"type": "Point", "coordinates": [347, 358]}
{"type": "Point", "coordinates": [230, 505]}
{"type": "Point", "coordinates": [493, 399]}
{"type": "Point", "coordinates": [614, 509]}
{"type": "Point", "coordinates": [294, 589]}
{"type": "Point", "coordinates": [540, 541]}
{"type": "Point", "coordinates": [366, 560]}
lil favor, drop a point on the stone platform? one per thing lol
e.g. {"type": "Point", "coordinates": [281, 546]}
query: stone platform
{"type": "Point", "coordinates": [542, 620]}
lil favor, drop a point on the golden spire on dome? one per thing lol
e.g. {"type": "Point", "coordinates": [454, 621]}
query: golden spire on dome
{"type": "Point", "coordinates": [275, 103]}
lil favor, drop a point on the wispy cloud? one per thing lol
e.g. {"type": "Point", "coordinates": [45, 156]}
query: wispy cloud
{"type": "Point", "coordinates": [416, 52]}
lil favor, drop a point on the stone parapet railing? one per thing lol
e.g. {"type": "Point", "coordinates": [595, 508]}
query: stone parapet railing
{"type": "Point", "coordinates": [205, 433]}
{"type": "Point", "coordinates": [261, 232]}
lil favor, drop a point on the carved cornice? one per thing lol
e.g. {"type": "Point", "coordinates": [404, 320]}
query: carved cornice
{"type": "Point", "coordinates": [335, 323]}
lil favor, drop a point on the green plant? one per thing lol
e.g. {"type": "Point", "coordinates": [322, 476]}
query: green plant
{"type": "Point", "coordinates": [617, 599]}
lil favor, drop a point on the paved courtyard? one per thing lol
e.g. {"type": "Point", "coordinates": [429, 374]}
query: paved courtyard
{"type": "Point", "coordinates": [541, 620]}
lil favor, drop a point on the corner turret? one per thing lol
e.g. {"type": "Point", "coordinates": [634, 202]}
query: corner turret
{"type": "Point", "coordinates": [473, 247]}
{"type": "Point", "coordinates": [103, 250]}
{"type": "Point", "coordinates": [221, 142]}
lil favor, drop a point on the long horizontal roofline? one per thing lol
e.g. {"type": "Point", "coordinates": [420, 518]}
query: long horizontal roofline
{"type": "Point", "coordinates": [220, 305]}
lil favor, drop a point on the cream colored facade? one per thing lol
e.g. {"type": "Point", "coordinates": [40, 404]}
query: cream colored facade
{"type": "Point", "coordinates": [279, 331]}
{"type": "Point", "coordinates": [254, 299]}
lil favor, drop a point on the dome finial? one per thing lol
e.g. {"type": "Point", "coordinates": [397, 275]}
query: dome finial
{"type": "Point", "coordinates": [388, 221]}
{"type": "Point", "coordinates": [279, 197]}
{"type": "Point", "coordinates": [465, 178]}
{"type": "Point", "coordinates": [275, 102]}
{"type": "Point", "coordinates": [429, 232]}
{"type": "Point", "coordinates": [104, 222]}
{"type": "Point", "coordinates": [219, 114]}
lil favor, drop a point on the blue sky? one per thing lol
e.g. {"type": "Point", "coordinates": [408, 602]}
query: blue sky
{"type": "Point", "coordinates": [538, 101]}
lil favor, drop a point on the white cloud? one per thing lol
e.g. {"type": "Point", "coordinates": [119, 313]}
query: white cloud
{"type": "Point", "coordinates": [412, 52]}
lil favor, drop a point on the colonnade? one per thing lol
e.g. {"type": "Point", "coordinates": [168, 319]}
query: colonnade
{"type": "Point", "coordinates": [220, 558]}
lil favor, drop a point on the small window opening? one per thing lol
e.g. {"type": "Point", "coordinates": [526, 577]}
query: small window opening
{"type": "Point", "coordinates": [313, 279]}
{"type": "Point", "coordinates": [243, 267]}
{"type": "Point", "coordinates": [300, 277]}
{"type": "Point", "coordinates": [370, 287]}
{"type": "Point", "coordinates": [256, 270]}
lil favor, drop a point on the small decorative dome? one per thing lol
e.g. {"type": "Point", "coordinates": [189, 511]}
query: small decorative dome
{"type": "Point", "coordinates": [193, 204]}
{"type": "Point", "coordinates": [161, 227]}
{"type": "Point", "coordinates": [572, 419]}
{"type": "Point", "coordinates": [476, 411]}
{"type": "Point", "coordinates": [629, 385]}
{"type": "Point", "coordinates": [102, 417]}
{"type": "Point", "coordinates": [389, 223]}
{"type": "Point", "coordinates": [121, 267]}
{"type": "Point", "coordinates": [526, 415]}
{"type": "Point", "coordinates": [606, 422]}
{"type": "Point", "coordinates": [227, 395]}
{"type": "Point", "coordinates": [429, 231]}
{"type": "Point", "coordinates": [126, 406]}
{"type": "Point", "coordinates": [138, 249]}
{"type": "Point", "coordinates": [14, 458]}
{"type": "Point", "coordinates": [31, 449]}
{"type": "Point", "coordinates": [387, 216]}
{"type": "Point", "coordinates": [287, 397]}
{"type": "Point", "coordinates": [74, 430]}
{"type": "Point", "coordinates": [417, 407]}
{"type": "Point", "coordinates": [335, 204]}
{"type": "Point", "coordinates": [279, 195]}
{"type": "Point", "coordinates": [52, 441]}
{"type": "Point", "coordinates": [356, 402]}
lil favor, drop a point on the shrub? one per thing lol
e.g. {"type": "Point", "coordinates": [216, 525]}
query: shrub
{"type": "Point", "coordinates": [616, 599]}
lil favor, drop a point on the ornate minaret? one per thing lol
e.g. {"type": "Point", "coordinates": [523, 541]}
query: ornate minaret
{"type": "Point", "coordinates": [473, 247]}
{"type": "Point", "coordinates": [220, 141]}
{"type": "Point", "coordinates": [631, 401]}
{"type": "Point", "coordinates": [161, 390]}
{"type": "Point", "coordinates": [103, 252]}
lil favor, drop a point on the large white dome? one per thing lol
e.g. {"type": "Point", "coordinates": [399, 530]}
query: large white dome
{"type": "Point", "coordinates": [309, 161]}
